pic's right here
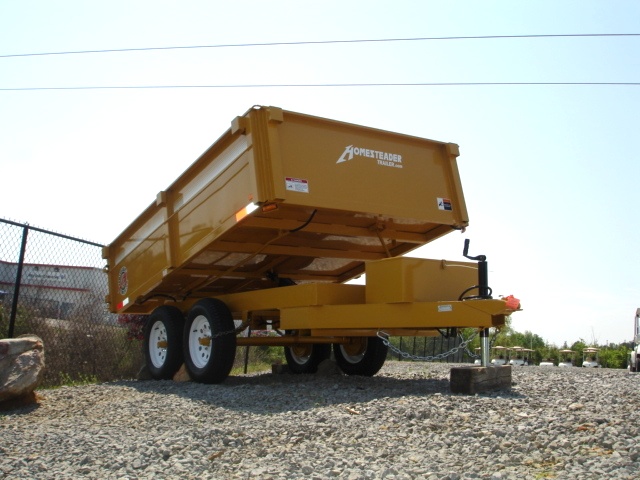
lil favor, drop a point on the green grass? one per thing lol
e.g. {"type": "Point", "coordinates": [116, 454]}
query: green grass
{"type": "Point", "coordinates": [252, 367]}
{"type": "Point", "coordinates": [67, 380]}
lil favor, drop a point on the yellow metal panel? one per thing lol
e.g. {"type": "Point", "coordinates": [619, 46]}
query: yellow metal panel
{"type": "Point", "coordinates": [364, 332]}
{"type": "Point", "coordinates": [405, 279]}
{"type": "Point", "coordinates": [294, 296]}
{"type": "Point", "coordinates": [212, 211]}
{"type": "Point", "coordinates": [348, 167]}
{"type": "Point", "coordinates": [474, 313]}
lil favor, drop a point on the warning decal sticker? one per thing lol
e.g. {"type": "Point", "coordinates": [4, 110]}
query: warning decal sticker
{"type": "Point", "coordinates": [297, 185]}
{"type": "Point", "coordinates": [444, 204]}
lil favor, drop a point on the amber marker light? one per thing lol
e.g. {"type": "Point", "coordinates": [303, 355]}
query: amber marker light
{"type": "Point", "coordinates": [245, 211]}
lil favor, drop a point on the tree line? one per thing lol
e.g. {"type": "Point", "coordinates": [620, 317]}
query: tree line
{"type": "Point", "coordinates": [611, 355]}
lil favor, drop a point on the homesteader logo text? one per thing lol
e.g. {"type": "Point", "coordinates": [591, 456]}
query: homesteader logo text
{"type": "Point", "coordinates": [383, 158]}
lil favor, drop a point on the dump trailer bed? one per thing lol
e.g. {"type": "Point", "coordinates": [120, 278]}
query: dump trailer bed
{"type": "Point", "coordinates": [283, 197]}
{"type": "Point", "coordinates": [262, 231]}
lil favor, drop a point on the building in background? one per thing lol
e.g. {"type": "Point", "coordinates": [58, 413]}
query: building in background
{"type": "Point", "coordinates": [57, 291]}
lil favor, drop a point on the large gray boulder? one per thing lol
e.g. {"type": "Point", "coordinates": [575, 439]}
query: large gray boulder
{"type": "Point", "coordinates": [21, 366]}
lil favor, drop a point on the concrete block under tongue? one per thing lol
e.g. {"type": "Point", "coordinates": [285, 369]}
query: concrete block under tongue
{"type": "Point", "coordinates": [472, 380]}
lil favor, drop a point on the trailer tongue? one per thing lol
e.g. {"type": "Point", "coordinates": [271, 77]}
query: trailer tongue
{"type": "Point", "coordinates": [267, 225]}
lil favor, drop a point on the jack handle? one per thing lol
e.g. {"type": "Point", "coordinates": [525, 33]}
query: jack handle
{"type": "Point", "coordinates": [484, 291]}
{"type": "Point", "coordinates": [465, 253]}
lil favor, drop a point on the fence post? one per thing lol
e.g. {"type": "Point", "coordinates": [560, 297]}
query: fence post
{"type": "Point", "coordinates": [16, 286]}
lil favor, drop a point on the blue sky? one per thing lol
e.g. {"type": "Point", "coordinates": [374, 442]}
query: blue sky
{"type": "Point", "coordinates": [549, 172]}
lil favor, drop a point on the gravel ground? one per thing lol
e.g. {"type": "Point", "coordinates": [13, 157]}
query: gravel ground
{"type": "Point", "coordinates": [403, 423]}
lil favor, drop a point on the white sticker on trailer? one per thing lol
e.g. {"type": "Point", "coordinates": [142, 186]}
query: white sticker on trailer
{"type": "Point", "coordinates": [444, 204]}
{"type": "Point", "coordinates": [445, 308]}
{"type": "Point", "coordinates": [297, 185]}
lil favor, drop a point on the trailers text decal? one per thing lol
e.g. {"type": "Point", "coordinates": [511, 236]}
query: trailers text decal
{"type": "Point", "coordinates": [384, 159]}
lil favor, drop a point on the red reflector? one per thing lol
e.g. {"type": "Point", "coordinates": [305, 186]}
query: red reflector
{"type": "Point", "coordinates": [512, 302]}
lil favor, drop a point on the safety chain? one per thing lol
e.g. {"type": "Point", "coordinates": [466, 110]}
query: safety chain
{"type": "Point", "coordinates": [491, 342]}
{"type": "Point", "coordinates": [469, 352]}
{"type": "Point", "coordinates": [385, 339]}
{"type": "Point", "coordinates": [235, 331]}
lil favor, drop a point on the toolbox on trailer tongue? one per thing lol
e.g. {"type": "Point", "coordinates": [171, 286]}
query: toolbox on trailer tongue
{"type": "Point", "coordinates": [286, 199]}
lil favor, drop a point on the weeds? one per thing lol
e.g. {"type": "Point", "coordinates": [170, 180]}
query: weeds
{"type": "Point", "coordinates": [67, 380]}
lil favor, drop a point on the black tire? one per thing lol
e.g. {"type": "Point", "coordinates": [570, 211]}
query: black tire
{"type": "Point", "coordinates": [365, 357]}
{"type": "Point", "coordinates": [305, 358]}
{"type": "Point", "coordinates": [162, 344]}
{"type": "Point", "coordinates": [208, 358]}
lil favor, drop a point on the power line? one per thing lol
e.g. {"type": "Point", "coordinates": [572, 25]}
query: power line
{"type": "Point", "coordinates": [325, 85]}
{"type": "Point", "coordinates": [319, 42]}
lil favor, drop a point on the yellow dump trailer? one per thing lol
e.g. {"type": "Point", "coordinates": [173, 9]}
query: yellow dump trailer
{"type": "Point", "coordinates": [265, 227]}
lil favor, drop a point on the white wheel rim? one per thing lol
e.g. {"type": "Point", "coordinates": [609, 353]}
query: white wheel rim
{"type": "Point", "coordinates": [200, 341]}
{"type": "Point", "coordinates": [352, 358]}
{"type": "Point", "coordinates": [158, 336]}
{"type": "Point", "coordinates": [299, 357]}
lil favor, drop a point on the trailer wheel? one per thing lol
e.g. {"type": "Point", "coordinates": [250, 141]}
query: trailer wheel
{"type": "Point", "coordinates": [364, 357]}
{"type": "Point", "coordinates": [163, 342]}
{"type": "Point", "coordinates": [209, 358]}
{"type": "Point", "coordinates": [306, 358]}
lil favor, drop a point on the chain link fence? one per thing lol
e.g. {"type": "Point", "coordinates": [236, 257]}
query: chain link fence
{"type": "Point", "coordinates": [54, 286]}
